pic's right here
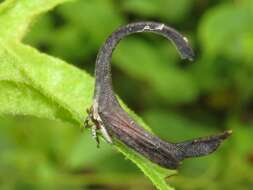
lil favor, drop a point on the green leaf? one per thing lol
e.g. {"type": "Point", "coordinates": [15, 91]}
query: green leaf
{"type": "Point", "coordinates": [47, 78]}
{"type": "Point", "coordinates": [33, 83]}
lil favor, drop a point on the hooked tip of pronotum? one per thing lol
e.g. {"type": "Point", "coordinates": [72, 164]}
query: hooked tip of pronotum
{"type": "Point", "coordinates": [190, 56]}
{"type": "Point", "coordinates": [186, 51]}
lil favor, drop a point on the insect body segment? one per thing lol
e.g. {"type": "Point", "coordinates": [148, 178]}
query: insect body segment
{"type": "Point", "coordinates": [115, 124]}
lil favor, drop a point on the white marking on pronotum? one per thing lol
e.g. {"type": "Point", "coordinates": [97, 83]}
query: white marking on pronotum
{"type": "Point", "coordinates": [147, 27]}
{"type": "Point", "coordinates": [160, 27]}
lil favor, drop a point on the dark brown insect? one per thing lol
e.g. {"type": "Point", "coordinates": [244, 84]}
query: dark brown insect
{"type": "Point", "coordinates": [114, 123]}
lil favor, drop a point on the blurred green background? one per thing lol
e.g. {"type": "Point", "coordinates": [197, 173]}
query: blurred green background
{"type": "Point", "coordinates": [179, 100]}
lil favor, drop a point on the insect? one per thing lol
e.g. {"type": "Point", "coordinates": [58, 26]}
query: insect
{"type": "Point", "coordinates": [114, 123]}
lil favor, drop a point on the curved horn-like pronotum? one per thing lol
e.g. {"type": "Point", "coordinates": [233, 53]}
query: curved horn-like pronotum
{"type": "Point", "coordinates": [114, 123]}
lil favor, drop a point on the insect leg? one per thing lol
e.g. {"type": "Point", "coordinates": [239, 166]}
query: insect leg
{"type": "Point", "coordinates": [94, 129]}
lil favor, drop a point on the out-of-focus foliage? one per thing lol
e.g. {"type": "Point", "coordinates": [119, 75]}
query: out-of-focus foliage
{"type": "Point", "coordinates": [169, 10]}
{"type": "Point", "coordinates": [179, 100]}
